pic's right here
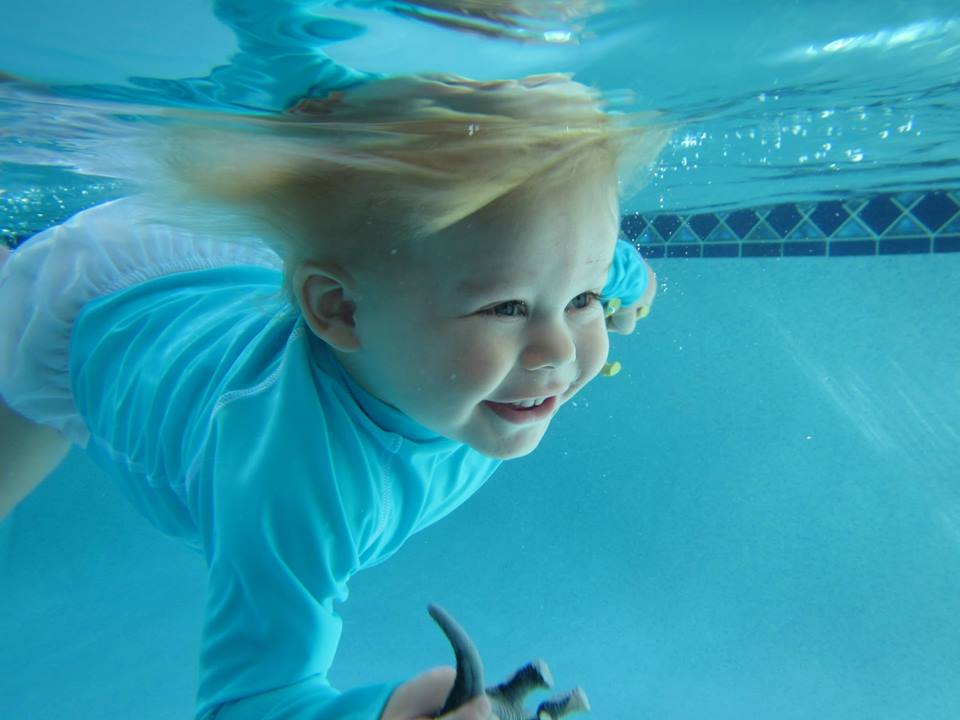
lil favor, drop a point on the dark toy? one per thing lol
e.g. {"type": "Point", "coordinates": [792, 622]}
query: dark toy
{"type": "Point", "coordinates": [506, 699]}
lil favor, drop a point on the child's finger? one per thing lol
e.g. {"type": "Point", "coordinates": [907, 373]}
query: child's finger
{"type": "Point", "coordinates": [476, 709]}
{"type": "Point", "coordinates": [424, 696]}
{"type": "Point", "coordinates": [625, 320]}
{"type": "Point", "coordinates": [421, 697]}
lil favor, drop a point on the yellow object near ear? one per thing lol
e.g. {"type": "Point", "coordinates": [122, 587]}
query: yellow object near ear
{"type": "Point", "coordinates": [612, 306]}
{"type": "Point", "coordinates": [643, 311]}
{"type": "Point", "coordinates": [611, 369]}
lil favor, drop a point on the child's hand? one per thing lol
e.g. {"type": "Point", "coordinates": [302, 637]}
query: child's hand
{"type": "Point", "coordinates": [623, 319]}
{"type": "Point", "coordinates": [422, 698]}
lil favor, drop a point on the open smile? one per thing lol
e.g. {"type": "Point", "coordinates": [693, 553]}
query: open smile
{"type": "Point", "coordinates": [521, 415]}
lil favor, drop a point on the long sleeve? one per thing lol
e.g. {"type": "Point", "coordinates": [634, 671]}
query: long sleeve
{"type": "Point", "coordinates": [288, 498]}
{"type": "Point", "coordinates": [281, 542]}
{"type": "Point", "coordinates": [311, 699]}
{"type": "Point", "coordinates": [210, 417]}
{"type": "Point", "coordinates": [627, 279]}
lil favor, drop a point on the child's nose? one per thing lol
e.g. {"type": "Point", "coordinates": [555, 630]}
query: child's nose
{"type": "Point", "coordinates": [549, 345]}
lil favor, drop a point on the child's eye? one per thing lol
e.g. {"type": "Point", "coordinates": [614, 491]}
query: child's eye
{"type": "Point", "coordinates": [587, 299]}
{"type": "Point", "coordinates": [515, 308]}
{"type": "Point", "coordinates": [508, 306]}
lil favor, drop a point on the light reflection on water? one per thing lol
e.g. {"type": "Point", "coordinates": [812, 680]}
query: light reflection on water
{"type": "Point", "coordinates": [771, 103]}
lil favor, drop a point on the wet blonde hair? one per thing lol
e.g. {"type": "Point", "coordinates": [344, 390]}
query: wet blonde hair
{"type": "Point", "coordinates": [397, 160]}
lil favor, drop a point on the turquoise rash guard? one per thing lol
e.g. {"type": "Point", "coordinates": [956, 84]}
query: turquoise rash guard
{"type": "Point", "coordinates": [230, 426]}
{"type": "Point", "coordinates": [627, 278]}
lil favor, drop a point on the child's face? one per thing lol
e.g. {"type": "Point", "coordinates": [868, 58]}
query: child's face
{"type": "Point", "coordinates": [495, 308]}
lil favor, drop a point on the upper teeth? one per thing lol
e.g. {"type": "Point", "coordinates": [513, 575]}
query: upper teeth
{"type": "Point", "coordinates": [529, 403]}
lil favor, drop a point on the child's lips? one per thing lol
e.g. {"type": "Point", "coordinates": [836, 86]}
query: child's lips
{"type": "Point", "coordinates": [544, 393]}
{"type": "Point", "coordinates": [526, 415]}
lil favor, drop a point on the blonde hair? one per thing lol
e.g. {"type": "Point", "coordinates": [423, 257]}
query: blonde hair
{"type": "Point", "coordinates": [402, 158]}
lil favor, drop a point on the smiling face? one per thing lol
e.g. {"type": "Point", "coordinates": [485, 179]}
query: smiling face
{"type": "Point", "coordinates": [502, 306]}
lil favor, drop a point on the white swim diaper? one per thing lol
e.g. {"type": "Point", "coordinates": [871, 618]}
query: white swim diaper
{"type": "Point", "coordinates": [45, 283]}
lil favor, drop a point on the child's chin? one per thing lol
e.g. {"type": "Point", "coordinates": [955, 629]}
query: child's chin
{"type": "Point", "coordinates": [511, 451]}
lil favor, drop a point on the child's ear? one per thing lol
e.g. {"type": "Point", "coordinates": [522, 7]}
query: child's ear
{"type": "Point", "coordinates": [323, 298]}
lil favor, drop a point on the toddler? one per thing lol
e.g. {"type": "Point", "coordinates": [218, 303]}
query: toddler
{"type": "Point", "coordinates": [410, 282]}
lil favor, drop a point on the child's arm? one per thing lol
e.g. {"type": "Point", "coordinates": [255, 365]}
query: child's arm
{"type": "Point", "coordinates": [283, 537]}
{"type": "Point", "coordinates": [282, 545]}
{"type": "Point", "coordinates": [416, 699]}
{"type": "Point", "coordinates": [28, 453]}
{"type": "Point", "coordinates": [423, 696]}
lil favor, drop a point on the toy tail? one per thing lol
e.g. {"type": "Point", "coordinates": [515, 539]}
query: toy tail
{"type": "Point", "coordinates": [469, 681]}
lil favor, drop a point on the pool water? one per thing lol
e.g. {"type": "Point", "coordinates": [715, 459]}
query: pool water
{"type": "Point", "coordinates": [759, 517]}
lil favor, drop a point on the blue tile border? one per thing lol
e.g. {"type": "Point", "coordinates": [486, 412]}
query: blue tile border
{"type": "Point", "coordinates": [917, 223]}
{"type": "Point", "coordinates": [905, 246]}
{"type": "Point", "coordinates": [810, 248]}
{"type": "Point", "coordinates": [882, 224]}
{"type": "Point", "coordinates": [946, 244]}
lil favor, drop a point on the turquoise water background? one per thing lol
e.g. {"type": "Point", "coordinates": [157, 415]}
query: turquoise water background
{"type": "Point", "coordinates": [759, 517]}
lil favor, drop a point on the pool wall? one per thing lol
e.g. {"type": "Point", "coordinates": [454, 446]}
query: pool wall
{"type": "Point", "coordinates": [879, 224]}
{"type": "Point", "coordinates": [758, 517]}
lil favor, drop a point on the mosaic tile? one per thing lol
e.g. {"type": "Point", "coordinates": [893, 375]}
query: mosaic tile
{"type": "Point", "coordinates": [703, 224]}
{"type": "Point", "coordinates": [853, 229]}
{"type": "Point", "coordinates": [904, 246]}
{"type": "Point", "coordinates": [764, 249]}
{"type": "Point", "coordinates": [952, 227]}
{"type": "Point", "coordinates": [829, 216]}
{"type": "Point", "coordinates": [907, 199]}
{"type": "Point", "coordinates": [947, 244]}
{"type": "Point", "coordinates": [880, 213]}
{"type": "Point", "coordinates": [632, 225]}
{"type": "Point", "coordinates": [784, 218]}
{"type": "Point", "coordinates": [721, 250]}
{"type": "Point", "coordinates": [648, 237]}
{"type": "Point", "coordinates": [723, 234]}
{"type": "Point", "coordinates": [906, 227]}
{"type": "Point", "coordinates": [806, 230]}
{"type": "Point", "coordinates": [842, 248]}
{"type": "Point", "coordinates": [684, 235]}
{"type": "Point", "coordinates": [854, 205]}
{"type": "Point", "coordinates": [805, 249]}
{"type": "Point", "coordinates": [762, 232]}
{"type": "Point", "coordinates": [935, 210]}
{"type": "Point", "coordinates": [742, 222]}
{"type": "Point", "coordinates": [666, 225]}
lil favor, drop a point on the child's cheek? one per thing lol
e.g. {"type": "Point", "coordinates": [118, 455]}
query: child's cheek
{"type": "Point", "coordinates": [477, 364]}
{"type": "Point", "coordinates": [593, 350]}
{"type": "Point", "coordinates": [481, 369]}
